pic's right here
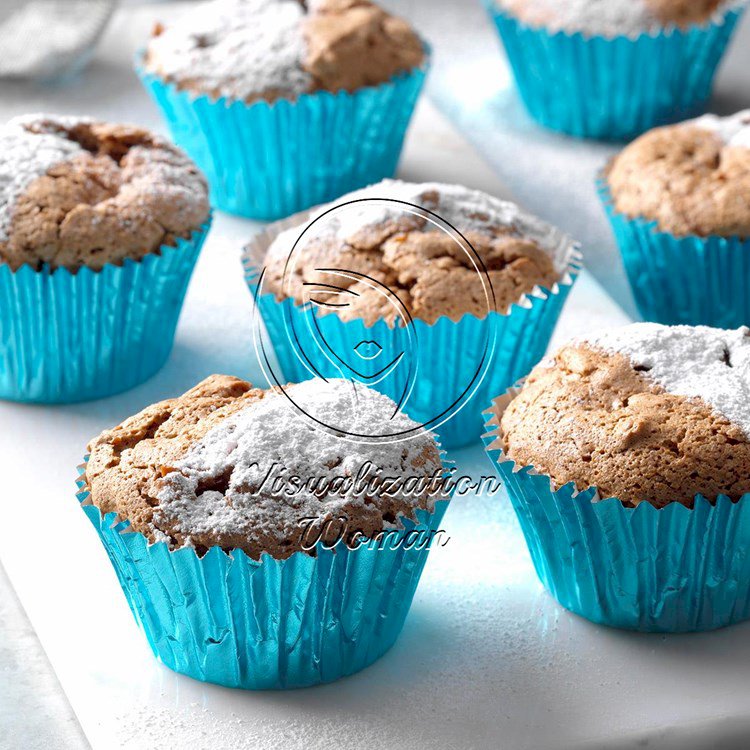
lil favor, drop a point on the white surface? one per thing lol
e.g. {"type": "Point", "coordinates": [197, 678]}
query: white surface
{"type": "Point", "coordinates": [29, 687]}
{"type": "Point", "coordinates": [486, 659]}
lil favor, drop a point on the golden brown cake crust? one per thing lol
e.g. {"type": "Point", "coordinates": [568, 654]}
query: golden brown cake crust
{"type": "Point", "coordinates": [683, 12]}
{"type": "Point", "coordinates": [686, 179]}
{"type": "Point", "coordinates": [127, 466]}
{"type": "Point", "coordinates": [590, 418]}
{"type": "Point", "coordinates": [123, 194]}
{"type": "Point", "coordinates": [429, 272]}
{"type": "Point", "coordinates": [354, 43]}
{"type": "Point", "coordinates": [126, 463]}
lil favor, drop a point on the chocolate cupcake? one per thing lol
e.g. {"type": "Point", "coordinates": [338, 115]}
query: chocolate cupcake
{"type": "Point", "coordinates": [100, 226]}
{"type": "Point", "coordinates": [614, 69]}
{"type": "Point", "coordinates": [676, 201]}
{"type": "Point", "coordinates": [286, 104]}
{"type": "Point", "coordinates": [434, 294]}
{"type": "Point", "coordinates": [627, 458]}
{"type": "Point", "coordinates": [257, 549]}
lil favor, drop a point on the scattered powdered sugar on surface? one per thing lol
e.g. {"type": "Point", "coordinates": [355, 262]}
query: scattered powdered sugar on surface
{"type": "Point", "coordinates": [271, 436]}
{"type": "Point", "coordinates": [465, 209]}
{"type": "Point", "coordinates": [734, 130]}
{"type": "Point", "coordinates": [236, 48]}
{"type": "Point", "coordinates": [25, 156]}
{"type": "Point", "coordinates": [696, 362]}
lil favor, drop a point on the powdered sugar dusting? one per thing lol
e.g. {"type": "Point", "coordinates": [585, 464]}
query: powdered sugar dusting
{"type": "Point", "coordinates": [465, 209]}
{"type": "Point", "coordinates": [24, 157]}
{"type": "Point", "coordinates": [606, 17]}
{"type": "Point", "coordinates": [692, 361]}
{"type": "Point", "coordinates": [237, 48]}
{"type": "Point", "coordinates": [271, 436]}
{"type": "Point", "coordinates": [734, 130]}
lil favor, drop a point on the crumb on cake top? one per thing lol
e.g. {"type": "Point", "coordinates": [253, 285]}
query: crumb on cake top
{"type": "Point", "coordinates": [269, 49]}
{"type": "Point", "coordinates": [75, 192]}
{"type": "Point", "coordinates": [408, 256]}
{"type": "Point", "coordinates": [644, 412]}
{"type": "Point", "coordinates": [196, 470]}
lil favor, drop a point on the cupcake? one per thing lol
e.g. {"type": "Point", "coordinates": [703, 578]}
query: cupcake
{"type": "Point", "coordinates": [286, 104]}
{"type": "Point", "coordinates": [616, 68]}
{"type": "Point", "coordinates": [256, 548]}
{"type": "Point", "coordinates": [100, 227]}
{"type": "Point", "coordinates": [677, 201]}
{"type": "Point", "coordinates": [626, 456]}
{"type": "Point", "coordinates": [436, 295]}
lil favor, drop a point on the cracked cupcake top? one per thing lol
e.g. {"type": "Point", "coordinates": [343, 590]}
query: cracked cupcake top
{"type": "Point", "coordinates": [74, 192]}
{"type": "Point", "coordinates": [269, 49]}
{"type": "Point", "coordinates": [692, 178]}
{"type": "Point", "coordinates": [611, 17]}
{"type": "Point", "coordinates": [643, 412]}
{"type": "Point", "coordinates": [379, 258]}
{"type": "Point", "coordinates": [199, 470]}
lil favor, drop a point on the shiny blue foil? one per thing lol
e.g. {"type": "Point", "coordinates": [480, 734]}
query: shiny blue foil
{"type": "Point", "coordinates": [267, 161]}
{"type": "Point", "coordinates": [613, 88]}
{"type": "Point", "coordinates": [75, 336]}
{"type": "Point", "coordinates": [682, 280]}
{"type": "Point", "coordinates": [669, 570]}
{"type": "Point", "coordinates": [447, 354]}
{"type": "Point", "coordinates": [273, 624]}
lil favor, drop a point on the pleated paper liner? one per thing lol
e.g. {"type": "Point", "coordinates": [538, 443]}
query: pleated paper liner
{"type": "Point", "coordinates": [614, 87]}
{"type": "Point", "coordinates": [682, 280]}
{"type": "Point", "coordinates": [74, 336]}
{"type": "Point", "coordinates": [270, 624]}
{"type": "Point", "coordinates": [668, 570]}
{"type": "Point", "coordinates": [488, 354]}
{"type": "Point", "coordinates": [267, 161]}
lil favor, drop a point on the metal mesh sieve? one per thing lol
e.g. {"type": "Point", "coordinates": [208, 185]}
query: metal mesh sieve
{"type": "Point", "coordinates": [49, 39]}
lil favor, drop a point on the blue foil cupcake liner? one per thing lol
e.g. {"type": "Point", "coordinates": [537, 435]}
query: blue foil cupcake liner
{"type": "Point", "coordinates": [268, 624]}
{"type": "Point", "coordinates": [668, 570]}
{"type": "Point", "coordinates": [614, 88]}
{"type": "Point", "coordinates": [489, 354]}
{"type": "Point", "coordinates": [267, 161]}
{"type": "Point", "coordinates": [75, 336]}
{"type": "Point", "coordinates": [682, 280]}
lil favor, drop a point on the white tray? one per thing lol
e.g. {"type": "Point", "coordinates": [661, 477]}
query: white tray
{"type": "Point", "coordinates": [486, 659]}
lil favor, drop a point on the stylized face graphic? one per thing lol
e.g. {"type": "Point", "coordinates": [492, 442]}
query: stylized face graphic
{"type": "Point", "coordinates": [373, 355]}
{"type": "Point", "coordinates": [344, 323]}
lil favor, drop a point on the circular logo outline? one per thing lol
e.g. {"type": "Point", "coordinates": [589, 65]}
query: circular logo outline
{"type": "Point", "coordinates": [447, 413]}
